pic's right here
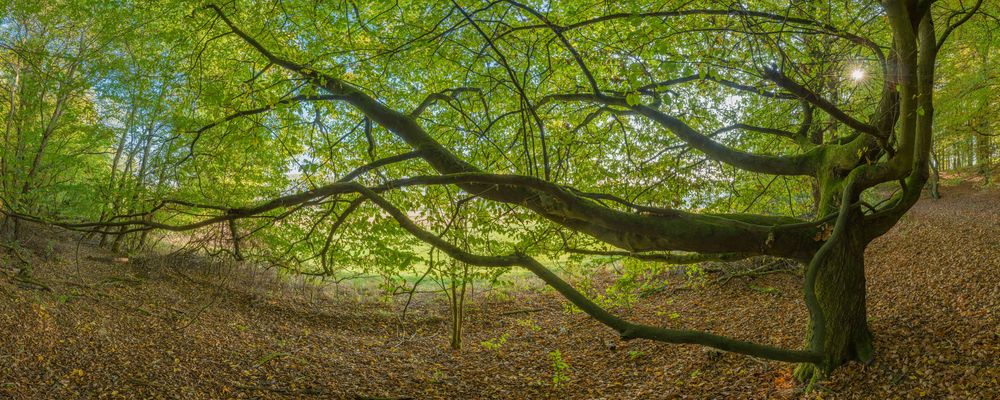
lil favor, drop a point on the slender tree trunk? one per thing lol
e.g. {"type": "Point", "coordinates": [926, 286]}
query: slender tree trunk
{"type": "Point", "coordinates": [119, 149]}
{"type": "Point", "coordinates": [457, 288]}
{"type": "Point", "coordinates": [116, 246]}
{"type": "Point", "coordinates": [234, 234]}
{"type": "Point", "coordinates": [15, 228]}
{"type": "Point", "coordinates": [935, 178]}
{"type": "Point", "coordinates": [984, 149]}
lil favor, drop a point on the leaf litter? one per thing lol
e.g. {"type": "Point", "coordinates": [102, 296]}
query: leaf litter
{"type": "Point", "coordinates": [183, 328]}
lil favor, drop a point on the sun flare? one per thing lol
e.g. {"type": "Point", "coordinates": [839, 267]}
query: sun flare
{"type": "Point", "coordinates": [858, 74]}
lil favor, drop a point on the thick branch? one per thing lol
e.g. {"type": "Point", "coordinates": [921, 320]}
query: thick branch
{"type": "Point", "coordinates": [626, 329]}
{"type": "Point", "coordinates": [801, 165]}
{"type": "Point", "coordinates": [636, 232]}
{"type": "Point", "coordinates": [669, 258]}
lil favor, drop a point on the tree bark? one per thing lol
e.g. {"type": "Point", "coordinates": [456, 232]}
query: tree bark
{"type": "Point", "coordinates": [235, 237]}
{"type": "Point", "coordinates": [841, 297]}
{"type": "Point", "coordinates": [984, 150]}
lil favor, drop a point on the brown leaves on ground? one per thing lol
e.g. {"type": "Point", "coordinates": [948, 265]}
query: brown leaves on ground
{"type": "Point", "coordinates": [176, 328]}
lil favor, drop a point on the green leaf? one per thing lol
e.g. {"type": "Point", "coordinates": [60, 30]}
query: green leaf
{"type": "Point", "coordinates": [632, 99]}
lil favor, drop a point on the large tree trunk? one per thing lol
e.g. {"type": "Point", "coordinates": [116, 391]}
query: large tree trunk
{"type": "Point", "coordinates": [840, 294]}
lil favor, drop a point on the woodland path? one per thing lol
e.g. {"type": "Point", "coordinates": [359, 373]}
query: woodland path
{"type": "Point", "coordinates": [178, 328]}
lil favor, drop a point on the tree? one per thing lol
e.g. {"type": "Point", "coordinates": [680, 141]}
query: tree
{"type": "Point", "coordinates": [964, 125]}
{"type": "Point", "coordinates": [573, 126]}
{"type": "Point", "coordinates": [43, 79]}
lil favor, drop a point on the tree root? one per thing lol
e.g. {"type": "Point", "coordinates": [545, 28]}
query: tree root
{"type": "Point", "coordinates": [806, 373]}
{"type": "Point", "coordinates": [16, 250]}
{"type": "Point", "coordinates": [25, 280]}
{"type": "Point", "coordinates": [777, 266]}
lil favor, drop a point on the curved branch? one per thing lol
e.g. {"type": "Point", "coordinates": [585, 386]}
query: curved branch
{"type": "Point", "coordinates": [253, 111]}
{"type": "Point", "coordinates": [777, 18]}
{"type": "Point", "coordinates": [951, 27]}
{"type": "Point", "coordinates": [800, 165]}
{"type": "Point", "coordinates": [444, 95]}
{"type": "Point", "coordinates": [562, 38]}
{"type": "Point", "coordinates": [823, 104]}
{"type": "Point", "coordinates": [649, 89]}
{"type": "Point", "coordinates": [626, 329]}
{"type": "Point", "coordinates": [633, 231]}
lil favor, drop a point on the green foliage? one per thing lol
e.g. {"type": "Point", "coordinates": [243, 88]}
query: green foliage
{"type": "Point", "coordinates": [495, 344]}
{"type": "Point", "coordinates": [696, 275]}
{"type": "Point", "coordinates": [766, 290]}
{"type": "Point", "coordinates": [528, 323]}
{"type": "Point", "coordinates": [560, 369]}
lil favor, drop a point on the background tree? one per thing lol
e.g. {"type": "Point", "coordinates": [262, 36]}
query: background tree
{"type": "Point", "coordinates": [965, 126]}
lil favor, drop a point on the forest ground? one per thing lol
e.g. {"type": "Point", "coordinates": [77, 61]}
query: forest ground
{"type": "Point", "coordinates": [180, 328]}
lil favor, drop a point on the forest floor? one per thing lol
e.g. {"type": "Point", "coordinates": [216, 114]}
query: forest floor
{"type": "Point", "coordinates": [178, 328]}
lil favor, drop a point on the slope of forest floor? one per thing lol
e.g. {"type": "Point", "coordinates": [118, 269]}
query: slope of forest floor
{"type": "Point", "coordinates": [178, 328]}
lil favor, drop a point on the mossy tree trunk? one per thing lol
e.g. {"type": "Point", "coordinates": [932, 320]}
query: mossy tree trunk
{"type": "Point", "coordinates": [841, 297]}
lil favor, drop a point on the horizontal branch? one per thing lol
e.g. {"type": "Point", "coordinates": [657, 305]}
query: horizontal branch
{"type": "Point", "coordinates": [628, 230]}
{"type": "Point", "coordinates": [753, 128]}
{"type": "Point", "coordinates": [244, 113]}
{"type": "Point", "coordinates": [669, 258]}
{"type": "Point", "coordinates": [626, 329]}
{"type": "Point", "coordinates": [651, 88]}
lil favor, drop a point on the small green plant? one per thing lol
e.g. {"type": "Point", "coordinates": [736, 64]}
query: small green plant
{"type": "Point", "coordinates": [495, 344]}
{"type": "Point", "coordinates": [696, 275]}
{"type": "Point", "coordinates": [437, 376]}
{"type": "Point", "coordinates": [635, 354]}
{"type": "Point", "coordinates": [499, 294]}
{"type": "Point", "coordinates": [49, 249]}
{"type": "Point", "coordinates": [560, 369]}
{"type": "Point", "coordinates": [570, 308]}
{"type": "Point", "coordinates": [529, 323]}
{"type": "Point", "coordinates": [766, 290]}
